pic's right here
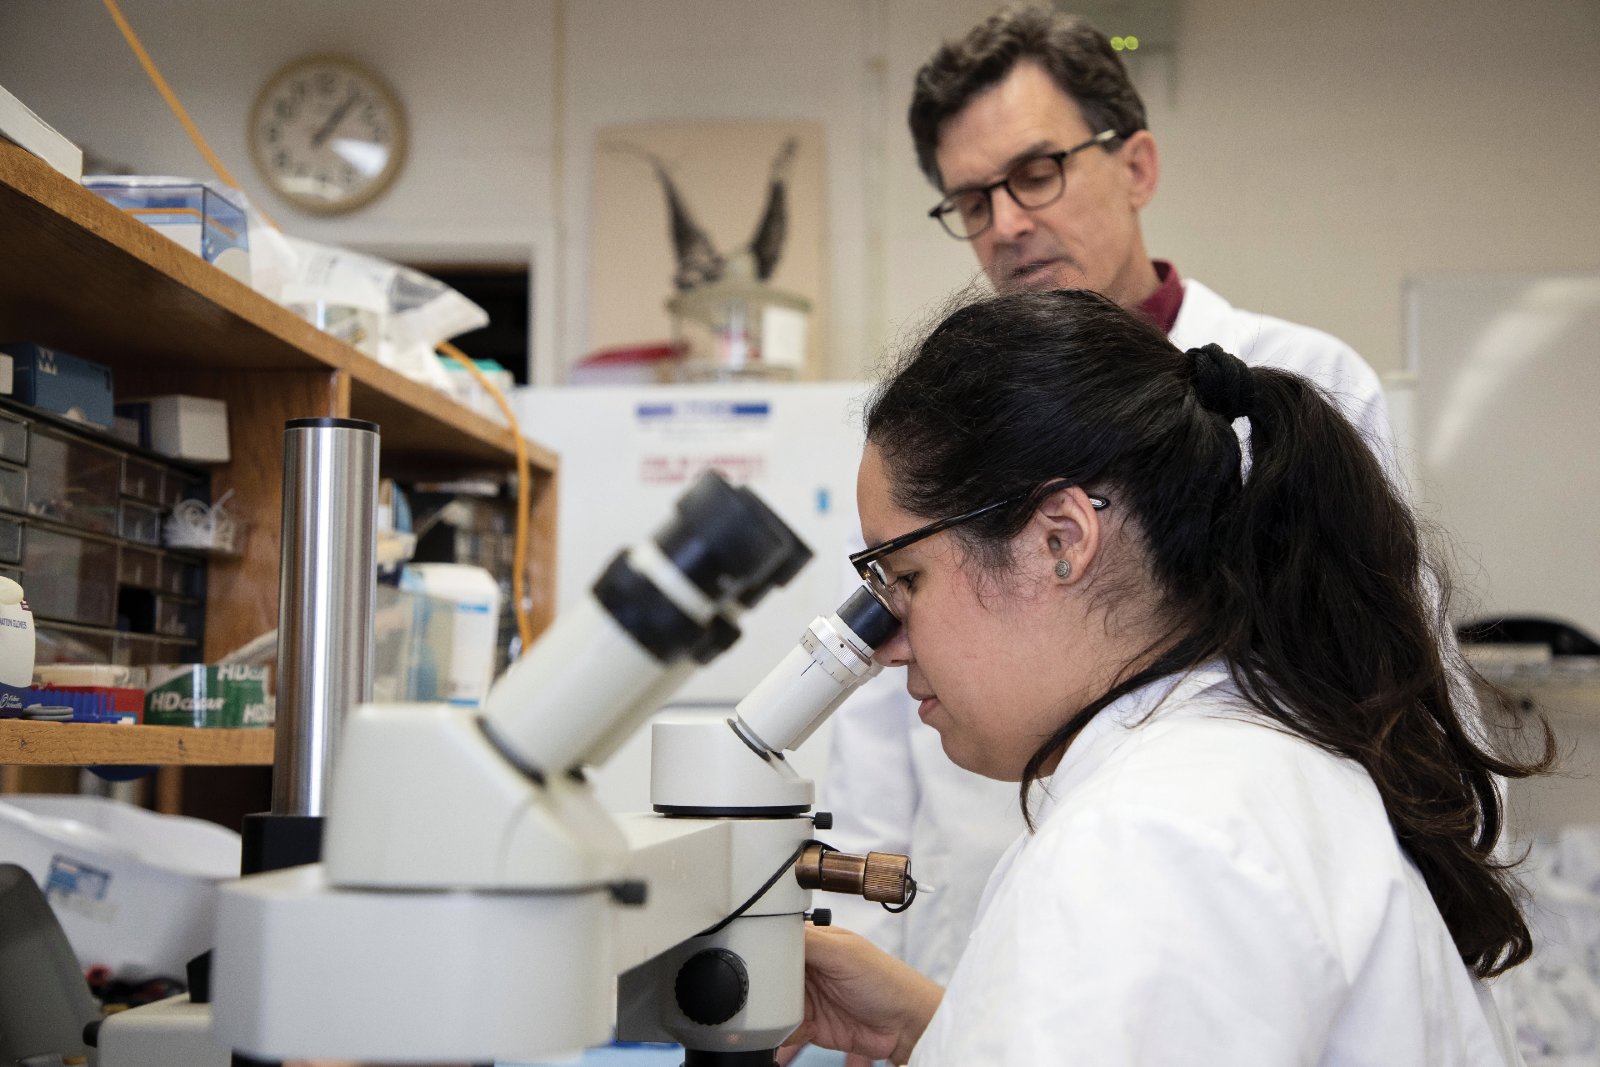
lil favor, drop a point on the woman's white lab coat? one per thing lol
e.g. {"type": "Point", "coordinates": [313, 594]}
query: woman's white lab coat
{"type": "Point", "coordinates": [1206, 889]}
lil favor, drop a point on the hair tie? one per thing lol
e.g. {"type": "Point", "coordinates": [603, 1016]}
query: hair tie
{"type": "Point", "coordinates": [1223, 382]}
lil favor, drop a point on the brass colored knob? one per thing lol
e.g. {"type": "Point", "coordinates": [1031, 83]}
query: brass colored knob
{"type": "Point", "coordinates": [880, 876]}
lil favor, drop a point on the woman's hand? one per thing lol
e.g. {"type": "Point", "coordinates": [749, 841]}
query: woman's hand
{"type": "Point", "coordinates": [860, 999]}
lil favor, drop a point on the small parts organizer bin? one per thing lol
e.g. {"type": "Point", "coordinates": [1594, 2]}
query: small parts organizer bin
{"type": "Point", "coordinates": [81, 529]}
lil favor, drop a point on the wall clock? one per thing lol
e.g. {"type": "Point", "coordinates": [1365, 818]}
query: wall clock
{"type": "Point", "coordinates": [327, 134]}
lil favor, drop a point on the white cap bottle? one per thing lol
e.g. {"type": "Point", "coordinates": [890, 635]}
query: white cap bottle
{"type": "Point", "coordinates": [16, 648]}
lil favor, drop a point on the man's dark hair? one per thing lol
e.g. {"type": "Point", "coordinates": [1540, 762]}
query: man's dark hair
{"type": "Point", "coordinates": [1075, 54]}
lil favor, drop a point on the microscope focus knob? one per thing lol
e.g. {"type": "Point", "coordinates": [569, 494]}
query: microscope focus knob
{"type": "Point", "coordinates": [884, 877]}
{"type": "Point", "coordinates": [712, 986]}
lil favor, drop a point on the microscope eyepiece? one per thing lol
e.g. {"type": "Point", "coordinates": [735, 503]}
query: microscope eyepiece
{"type": "Point", "coordinates": [728, 543]}
{"type": "Point", "coordinates": [868, 619]}
{"type": "Point", "coordinates": [720, 635]}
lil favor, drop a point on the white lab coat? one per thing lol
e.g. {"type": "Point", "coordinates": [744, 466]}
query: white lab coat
{"type": "Point", "coordinates": [889, 784]}
{"type": "Point", "coordinates": [1204, 888]}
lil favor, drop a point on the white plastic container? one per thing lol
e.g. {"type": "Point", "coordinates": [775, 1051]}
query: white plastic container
{"type": "Point", "coordinates": [16, 647]}
{"type": "Point", "coordinates": [475, 596]}
{"type": "Point", "coordinates": [135, 891]}
{"type": "Point", "coordinates": [193, 428]}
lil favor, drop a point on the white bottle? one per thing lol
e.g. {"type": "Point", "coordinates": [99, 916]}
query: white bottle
{"type": "Point", "coordinates": [16, 647]}
{"type": "Point", "coordinates": [474, 597]}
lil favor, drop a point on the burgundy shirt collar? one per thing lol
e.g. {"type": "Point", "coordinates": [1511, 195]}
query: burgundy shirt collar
{"type": "Point", "coordinates": [1161, 307]}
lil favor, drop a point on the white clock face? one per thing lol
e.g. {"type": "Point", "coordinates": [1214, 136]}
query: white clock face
{"type": "Point", "coordinates": [327, 134]}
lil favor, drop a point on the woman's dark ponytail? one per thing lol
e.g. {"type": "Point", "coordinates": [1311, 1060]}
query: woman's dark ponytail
{"type": "Point", "coordinates": [1347, 646]}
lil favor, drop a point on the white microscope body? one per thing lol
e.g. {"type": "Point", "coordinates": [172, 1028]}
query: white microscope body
{"type": "Point", "coordinates": [475, 902]}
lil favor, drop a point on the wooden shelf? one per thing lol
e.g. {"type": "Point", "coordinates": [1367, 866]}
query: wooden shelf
{"type": "Point", "coordinates": [78, 744]}
{"type": "Point", "coordinates": [80, 275]}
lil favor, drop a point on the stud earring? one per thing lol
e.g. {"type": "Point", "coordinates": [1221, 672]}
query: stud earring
{"type": "Point", "coordinates": [1063, 569]}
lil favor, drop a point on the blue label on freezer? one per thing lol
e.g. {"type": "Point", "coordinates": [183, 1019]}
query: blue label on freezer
{"type": "Point", "coordinates": [705, 410]}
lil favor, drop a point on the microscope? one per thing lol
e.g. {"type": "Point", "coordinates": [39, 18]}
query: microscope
{"type": "Point", "coordinates": [474, 901]}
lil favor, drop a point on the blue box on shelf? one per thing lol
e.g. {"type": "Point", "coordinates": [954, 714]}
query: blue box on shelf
{"type": "Point", "coordinates": [60, 382]}
{"type": "Point", "coordinates": [192, 213]}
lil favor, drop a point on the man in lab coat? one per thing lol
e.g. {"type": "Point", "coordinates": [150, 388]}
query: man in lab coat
{"type": "Point", "coordinates": [1033, 133]}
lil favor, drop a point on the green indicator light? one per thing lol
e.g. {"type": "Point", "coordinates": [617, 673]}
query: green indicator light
{"type": "Point", "coordinates": [1117, 43]}
{"type": "Point", "coordinates": [1131, 43]}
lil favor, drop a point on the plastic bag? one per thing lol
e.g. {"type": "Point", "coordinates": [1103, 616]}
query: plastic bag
{"type": "Point", "coordinates": [393, 313]}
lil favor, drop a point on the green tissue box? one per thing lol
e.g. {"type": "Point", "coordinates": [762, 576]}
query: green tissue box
{"type": "Point", "coordinates": [190, 694]}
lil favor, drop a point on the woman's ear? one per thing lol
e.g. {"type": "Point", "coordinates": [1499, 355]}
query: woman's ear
{"type": "Point", "coordinates": [1066, 525]}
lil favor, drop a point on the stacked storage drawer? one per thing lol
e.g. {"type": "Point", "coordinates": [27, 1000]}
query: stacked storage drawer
{"type": "Point", "coordinates": [80, 527]}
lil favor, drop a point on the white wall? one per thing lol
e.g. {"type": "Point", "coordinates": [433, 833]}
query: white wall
{"type": "Point", "coordinates": [1314, 155]}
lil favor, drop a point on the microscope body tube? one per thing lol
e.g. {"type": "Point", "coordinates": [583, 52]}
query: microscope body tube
{"type": "Point", "coordinates": [601, 670]}
{"type": "Point", "coordinates": [594, 681]}
{"type": "Point", "coordinates": [326, 600]}
{"type": "Point", "coordinates": [600, 667]}
{"type": "Point", "coordinates": [720, 635]}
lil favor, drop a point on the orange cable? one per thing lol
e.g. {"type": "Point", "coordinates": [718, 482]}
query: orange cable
{"type": "Point", "coordinates": [519, 563]}
{"type": "Point", "coordinates": [168, 95]}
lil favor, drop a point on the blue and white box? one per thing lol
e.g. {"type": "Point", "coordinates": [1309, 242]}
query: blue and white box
{"type": "Point", "coordinates": [47, 378]}
{"type": "Point", "coordinates": [195, 214]}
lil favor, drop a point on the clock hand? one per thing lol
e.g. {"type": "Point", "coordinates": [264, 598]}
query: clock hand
{"type": "Point", "coordinates": [333, 120]}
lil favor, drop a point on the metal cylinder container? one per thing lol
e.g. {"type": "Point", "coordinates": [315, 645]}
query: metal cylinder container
{"type": "Point", "coordinates": [326, 600]}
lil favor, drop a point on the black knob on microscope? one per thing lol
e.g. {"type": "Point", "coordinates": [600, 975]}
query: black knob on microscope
{"type": "Point", "coordinates": [712, 986]}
